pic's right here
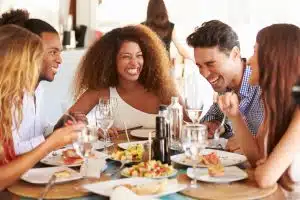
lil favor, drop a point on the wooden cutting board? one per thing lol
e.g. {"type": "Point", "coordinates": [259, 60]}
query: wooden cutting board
{"type": "Point", "coordinates": [67, 190]}
{"type": "Point", "coordinates": [246, 189]}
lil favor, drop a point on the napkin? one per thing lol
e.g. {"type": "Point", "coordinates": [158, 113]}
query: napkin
{"type": "Point", "coordinates": [93, 167]}
{"type": "Point", "coordinates": [123, 193]}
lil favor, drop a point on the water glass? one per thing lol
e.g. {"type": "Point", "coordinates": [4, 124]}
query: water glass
{"type": "Point", "coordinates": [194, 139]}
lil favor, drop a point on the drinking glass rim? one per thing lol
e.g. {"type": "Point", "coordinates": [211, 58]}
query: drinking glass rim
{"type": "Point", "coordinates": [195, 126]}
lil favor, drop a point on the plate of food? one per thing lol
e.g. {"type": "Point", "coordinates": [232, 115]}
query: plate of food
{"type": "Point", "coordinates": [143, 133]}
{"type": "Point", "coordinates": [150, 169]}
{"type": "Point", "coordinates": [43, 175]}
{"type": "Point", "coordinates": [68, 157]}
{"type": "Point", "coordinates": [210, 156]}
{"type": "Point", "coordinates": [133, 153]}
{"type": "Point", "coordinates": [126, 145]}
{"type": "Point", "coordinates": [218, 174]}
{"type": "Point", "coordinates": [144, 187]}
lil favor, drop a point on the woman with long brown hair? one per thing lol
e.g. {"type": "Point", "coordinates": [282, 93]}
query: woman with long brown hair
{"type": "Point", "coordinates": [21, 56]}
{"type": "Point", "coordinates": [275, 151]}
{"type": "Point", "coordinates": [158, 20]}
{"type": "Point", "coordinates": [130, 64]}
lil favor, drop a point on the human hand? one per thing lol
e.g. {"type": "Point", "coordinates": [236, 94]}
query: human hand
{"type": "Point", "coordinates": [232, 145]}
{"type": "Point", "coordinates": [112, 132]}
{"type": "Point", "coordinates": [73, 117]}
{"type": "Point", "coordinates": [229, 104]}
{"type": "Point", "coordinates": [63, 136]}
{"type": "Point", "coordinates": [211, 127]}
{"type": "Point", "coordinates": [261, 161]}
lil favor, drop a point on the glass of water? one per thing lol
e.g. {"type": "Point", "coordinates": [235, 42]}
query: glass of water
{"type": "Point", "coordinates": [194, 139]}
{"type": "Point", "coordinates": [105, 113]}
{"type": "Point", "coordinates": [84, 144]}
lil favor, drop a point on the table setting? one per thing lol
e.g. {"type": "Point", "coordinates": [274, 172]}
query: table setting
{"type": "Point", "coordinates": [140, 164]}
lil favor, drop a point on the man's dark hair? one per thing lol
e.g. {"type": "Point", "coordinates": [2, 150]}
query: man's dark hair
{"type": "Point", "coordinates": [214, 33]}
{"type": "Point", "coordinates": [21, 18]}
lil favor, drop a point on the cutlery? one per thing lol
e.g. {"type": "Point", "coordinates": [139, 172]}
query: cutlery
{"type": "Point", "coordinates": [130, 129]}
{"type": "Point", "coordinates": [48, 186]}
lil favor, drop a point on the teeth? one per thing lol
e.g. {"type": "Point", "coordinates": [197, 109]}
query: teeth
{"type": "Point", "coordinates": [214, 81]}
{"type": "Point", "coordinates": [132, 71]}
{"type": "Point", "coordinates": [54, 69]}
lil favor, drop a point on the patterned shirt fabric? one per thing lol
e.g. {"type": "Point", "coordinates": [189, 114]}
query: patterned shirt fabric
{"type": "Point", "coordinates": [250, 106]}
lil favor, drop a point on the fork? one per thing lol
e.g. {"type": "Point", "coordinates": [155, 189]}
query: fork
{"type": "Point", "coordinates": [218, 130]}
{"type": "Point", "coordinates": [48, 186]}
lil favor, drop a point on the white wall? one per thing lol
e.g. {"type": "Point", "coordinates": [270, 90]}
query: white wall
{"type": "Point", "coordinates": [45, 10]}
{"type": "Point", "coordinates": [245, 16]}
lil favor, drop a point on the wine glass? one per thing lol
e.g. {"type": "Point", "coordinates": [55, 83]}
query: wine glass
{"type": "Point", "coordinates": [105, 112]}
{"type": "Point", "coordinates": [193, 104]}
{"type": "Point", "coordinates": [194, 139]}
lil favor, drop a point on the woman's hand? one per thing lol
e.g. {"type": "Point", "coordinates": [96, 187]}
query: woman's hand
{"type": "Point", "coordinates": [64, 136]}
{"type": "Point", "coordinates": [229, 104]}
{"type": "Point", "coordinates": [112, 132]}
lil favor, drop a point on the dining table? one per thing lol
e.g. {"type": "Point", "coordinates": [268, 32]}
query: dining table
{"type": "Point", "coordinates": [244, 189]}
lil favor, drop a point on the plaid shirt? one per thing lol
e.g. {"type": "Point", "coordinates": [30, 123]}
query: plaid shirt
{"type": "Point", "coordinates": [250, 106]}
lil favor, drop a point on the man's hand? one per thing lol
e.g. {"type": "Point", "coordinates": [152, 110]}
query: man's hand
{"type": "Point", "coordinates": [112, 132]}
{"type": "Point", "coordinates": [232, 144]}
{"type": "Point", "coordinates": [211, 127]}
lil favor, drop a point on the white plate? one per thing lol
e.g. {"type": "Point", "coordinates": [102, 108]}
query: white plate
{"type": "Point", "coordinates": [55, 158]}
{"type": "Point", "coordinates": [142, 133]}
{"type": "Point", "coordinates": [100, 145]}
{"type": "Point", "coordinates": [43, 175]}
{"type": "Point", "coordinates": [231, 174]}
{"type": "Point", "coordinates": [125, 145]}
{"type": "Point", "coordinates": [227, 158]}
{"type": "Point", "coordinates": [160, 177]}
{"type": "Point", "coordinates": [96, 145]}
{"type": "Point", "coordinates": [106, 188]}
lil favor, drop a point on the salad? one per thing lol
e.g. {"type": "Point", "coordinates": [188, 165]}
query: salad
{"type": "Point", "coordinates": [150, 169]}
{"type": "Point", "coordinates": [134, 153]}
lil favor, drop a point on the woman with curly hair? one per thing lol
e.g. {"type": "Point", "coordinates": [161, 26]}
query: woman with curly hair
{"type": "Point", "coordinates": [275, 152]}
{"type": "Point", "coordinates": [131, 64]}
{"type": "Point", "coordinates": [21, 57]}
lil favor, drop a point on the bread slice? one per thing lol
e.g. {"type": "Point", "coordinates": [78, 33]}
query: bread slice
{"type": "Point", "coordinates": [216, 170]}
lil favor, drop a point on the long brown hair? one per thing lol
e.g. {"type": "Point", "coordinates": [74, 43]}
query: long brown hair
{"type": "Point", "coordinates": [98, 67]}
{"type": "Point", "coordinates": [278, 60]}
{"type": "Point", "coordinates": [157, 17]}
{"type": "Point", "coordinates": [21, 56]}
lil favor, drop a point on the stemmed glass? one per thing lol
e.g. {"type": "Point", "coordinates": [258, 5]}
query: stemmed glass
{"type": "Point", "coordinates": [194, 139]}
{"type": "Point", "coordinates": [194, 105]}
{"type": "Point", "coordinates": [105, 113]}
{"type": "Point", "coordinates": [83, 145]}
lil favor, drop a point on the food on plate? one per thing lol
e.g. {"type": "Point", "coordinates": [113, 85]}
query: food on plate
{"type": "Point", "coordinates": [216, 170]}
{"type": "Point", "coordinates": [62, 174]}
{"type": "Point", "coordinates": [70, 156]}
{"type": "Point", "coordinates": [133, 152]}
{"type": "Point", "coordinates": [210, 159]}
{"type": "Point", "coordinates": [150, 169]}
{"type": "Point", "coordinates": [151, 188]}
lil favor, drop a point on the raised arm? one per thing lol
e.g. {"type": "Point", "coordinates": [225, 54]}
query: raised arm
{"type": "Point", "coordinates": [229, 105]}
{"type": "Point", "coordinates": [282, 157]}
{"type": "Point", "coordinates": [84, 104]}
{"type": "Point", "coordinates": [12, 171]}
{"type": "Point", "coordinates": [182, 51]}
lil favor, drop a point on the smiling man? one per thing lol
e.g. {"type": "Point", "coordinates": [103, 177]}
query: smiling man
{"type": "Point", "coordinates": [31, 131]}
{"type": "Point", "coordinates": [217, 54]}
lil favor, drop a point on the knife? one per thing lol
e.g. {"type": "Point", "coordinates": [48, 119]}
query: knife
{"type": "Point", "coordinates": [130, 129]}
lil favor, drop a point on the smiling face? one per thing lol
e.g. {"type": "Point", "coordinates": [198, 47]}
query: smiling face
{"type": "Point", "coordinates": [217, 67]}
{"type": "Point", "coordinates": [52, 58]}
{"type": "Point", "coordinates": [253, 62]}
{"type": "Point", "coordinates": [129, 61]}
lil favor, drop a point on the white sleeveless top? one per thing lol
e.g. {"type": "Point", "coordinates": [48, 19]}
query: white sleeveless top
{"type": "Point", "coordinates": [132, 116]}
